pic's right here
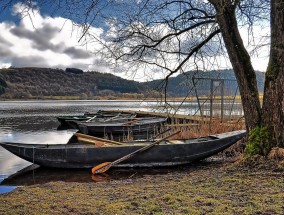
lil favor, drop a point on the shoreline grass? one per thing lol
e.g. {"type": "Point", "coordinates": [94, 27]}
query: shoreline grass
{"type": "Point", "coordinates": [210, 188]}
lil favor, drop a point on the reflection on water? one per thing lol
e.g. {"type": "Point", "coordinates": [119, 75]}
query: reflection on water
{"type": "Point", "coordinates": [10, 163]}
{"type": "Point", "coordinates": [34, 174]}
{"type": "Point", "coordinates": [40, 137]}
{"type": "Point", "coordinates": [39, 175]}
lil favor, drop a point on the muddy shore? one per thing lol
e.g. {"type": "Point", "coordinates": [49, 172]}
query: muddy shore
{"type": "Point", "coordinates": [217, 187]}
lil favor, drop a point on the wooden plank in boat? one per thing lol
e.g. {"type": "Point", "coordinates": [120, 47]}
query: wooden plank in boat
{"type": "Point", "coordinates": [183, 125]}
{"type": "Point", "coordinates": [175, 141]}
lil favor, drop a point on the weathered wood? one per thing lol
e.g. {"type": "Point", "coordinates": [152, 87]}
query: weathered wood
{"type": "Point", "coordinates": [105, 166]}
{"type": "Point", "coordinates": [183, 125]}
{"type": "Point", "coordinates": [85, 136]}
{"type": "Point", "coordinates": [82, 155]}
{"type": "Point", "coordinates": [176, 116]}
{"type": "Point", "coordinates": [94, 142]}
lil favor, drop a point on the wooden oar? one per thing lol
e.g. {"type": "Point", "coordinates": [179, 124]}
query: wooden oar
{"type": "Point", "coordinates": [85, 136]}
{"type": "Point", "coordinates": [103, 167]}
{"type": "Point", "coordinates": [91, 118]}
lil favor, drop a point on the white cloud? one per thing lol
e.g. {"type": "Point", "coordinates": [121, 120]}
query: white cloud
{"type": "Point", "coordinates": [45, 41]}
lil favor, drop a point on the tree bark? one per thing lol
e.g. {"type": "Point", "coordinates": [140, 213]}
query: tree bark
{"type": "Point", "coordinates": [240, 61]}
{"type": "Point", "coordinates": [273, 99]}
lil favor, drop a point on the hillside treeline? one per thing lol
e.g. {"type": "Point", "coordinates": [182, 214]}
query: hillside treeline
{"type": "Point", "coordinates": [41, 83]}
{"type": "Point", "coordinates": [201, 83]}
{"type": "Point", "coordinates": [45, 82]}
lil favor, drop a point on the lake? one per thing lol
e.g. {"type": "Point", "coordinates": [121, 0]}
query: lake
{"type": "Point", "coordinates": [36, 122]}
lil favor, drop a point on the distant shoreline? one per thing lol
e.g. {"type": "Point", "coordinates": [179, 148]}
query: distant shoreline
{"type": "Point", "coordinates": [75, 98]}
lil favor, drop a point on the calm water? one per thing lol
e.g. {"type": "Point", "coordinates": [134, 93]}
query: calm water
{"type": "Point", "coordinates": [35, 122]}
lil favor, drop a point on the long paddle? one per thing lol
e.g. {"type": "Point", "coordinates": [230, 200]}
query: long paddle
{"type": "Point", "coordinates": [103, 167]}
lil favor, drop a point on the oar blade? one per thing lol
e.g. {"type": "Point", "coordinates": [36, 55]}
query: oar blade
{"type": "Point", "coordinates": [103, 167]}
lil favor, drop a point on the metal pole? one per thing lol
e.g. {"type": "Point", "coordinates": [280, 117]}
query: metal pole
{"type": "Point", "coordinates": [222, 100]}
{"type": "Point", "coordinates": [198, 102]}
{"type": "Point", "coordinates": [211, 103]}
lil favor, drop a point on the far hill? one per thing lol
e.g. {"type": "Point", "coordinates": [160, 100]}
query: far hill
{"type": "Point", "coordinates": [182, 85]}
{"type": "Point", "coordinates": [44, 82]}
{"type": "Point", "coordinates": [27, 83]}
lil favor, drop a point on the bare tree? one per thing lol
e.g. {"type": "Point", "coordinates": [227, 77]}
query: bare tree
{"type": "Point", "coordinates": [175, 36]}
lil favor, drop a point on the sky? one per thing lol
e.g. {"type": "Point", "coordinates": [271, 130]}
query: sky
{"type": "Point", "coordinates": [44, 42]}
{"type": "Point", "coordinates": [52, 41]}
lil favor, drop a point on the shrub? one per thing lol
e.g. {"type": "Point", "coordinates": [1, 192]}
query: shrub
{"type": "Point", "coordinates": [258, 142]}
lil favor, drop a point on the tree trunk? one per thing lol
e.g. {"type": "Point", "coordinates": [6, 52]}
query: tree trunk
{"type": "Point", "coordinates": [273, 99]}
{"type": "Point", "coordinates": [240, 61]}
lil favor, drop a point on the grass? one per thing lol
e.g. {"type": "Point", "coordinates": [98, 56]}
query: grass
{"type": "Point", "coordinates": [210, 188]}
{"type": "Point", "coordinates": [247, 186]}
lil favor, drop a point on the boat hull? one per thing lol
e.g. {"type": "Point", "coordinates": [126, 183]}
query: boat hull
{"type": "Point", "coordinates": [142, 129]}
{"type": "Point", "coordinates": [86, 156]}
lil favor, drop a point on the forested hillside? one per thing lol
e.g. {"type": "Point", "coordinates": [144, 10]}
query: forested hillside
{"type": "Point", "coordinates": [182, 85]}
{"type": "Point", "coordinates": [42, 83]}
{"type": "Point", "coordinates": [45, 82]}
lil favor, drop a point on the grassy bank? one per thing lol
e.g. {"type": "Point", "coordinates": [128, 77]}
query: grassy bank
{"type": "Point", "coordinates": [210, 188]}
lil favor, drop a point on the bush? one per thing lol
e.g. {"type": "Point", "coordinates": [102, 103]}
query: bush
{"type": "Point", "coordinates": [258, 142]}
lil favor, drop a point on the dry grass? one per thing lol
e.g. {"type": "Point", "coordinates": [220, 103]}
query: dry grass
{"type": "Point", "coordinates": [276, 153]}
{"type": "Point", "coordinates": [208, 188]}
{"type": "Point", "coordinates": [200, 128]}
{"type": "Point", "coordinates": [205, 128]}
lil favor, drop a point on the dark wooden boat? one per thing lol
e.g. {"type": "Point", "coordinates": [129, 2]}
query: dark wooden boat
{"type": "Point", "coordinates": [83, 155]}
{"type": "Point", "coordinates": [71, 121]}
{"type": "Point", "coordinates": [138, 128]}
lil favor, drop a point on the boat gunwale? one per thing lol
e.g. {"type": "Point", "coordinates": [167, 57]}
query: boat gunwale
{"type": "Point", "coordinates": [127, 144]}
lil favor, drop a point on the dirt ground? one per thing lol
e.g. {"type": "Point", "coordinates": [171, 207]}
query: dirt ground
{"type": "Point", "coordinates": [254, 186]}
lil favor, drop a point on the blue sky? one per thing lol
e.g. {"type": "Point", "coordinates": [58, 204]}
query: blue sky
{"type": "Point", "coordinates": [44, 41]}
{"type": "Point", "coordinates": [50, 40]}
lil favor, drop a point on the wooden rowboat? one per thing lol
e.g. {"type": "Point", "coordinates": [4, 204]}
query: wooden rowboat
{"type": "Point", "coordinates": [71, 122]}
{"type": "Point", "coordinates": [136, 127]}
{"type": "Point", "coordinates": [84, 155]}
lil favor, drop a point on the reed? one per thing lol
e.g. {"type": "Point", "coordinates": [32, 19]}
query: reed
{"type": "Point", "coordinates": [205, 128]}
